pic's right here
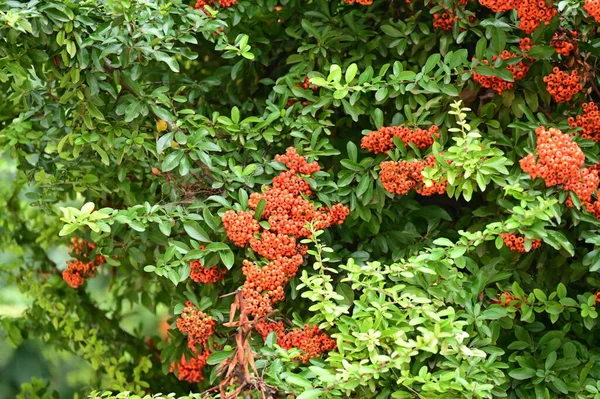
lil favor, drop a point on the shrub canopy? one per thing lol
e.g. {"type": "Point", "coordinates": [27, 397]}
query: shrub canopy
{"type": "Point", "coordinates": [311, 199]}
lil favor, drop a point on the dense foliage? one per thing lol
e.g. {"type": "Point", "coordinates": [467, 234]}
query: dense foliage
{"type": "Point", "coordinates": [332, 199]}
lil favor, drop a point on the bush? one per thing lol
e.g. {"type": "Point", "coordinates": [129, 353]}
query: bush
{"type": "Point", "coordinates": [309, 199]}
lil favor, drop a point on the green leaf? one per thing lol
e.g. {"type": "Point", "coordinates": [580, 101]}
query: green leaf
{"type": "Point", "coordinates": [432, 61]}
{"type": "Point", "coordinates": [137, 226]}
{"type": "Point", "coordinates": [352, 151]}
{"type": "Point", "coordinates": [103, 155]}
{"type": "Point", "coordinates": [377, 117]}
{"type": "Point", "coordinates": [562, 241]}
{"type": "Point", "coordinates": [164, 142]}
{"type": "Point", "coordinates": [351, 73]}
{"type": "Point", "coordinates": [561, 291]}
{"type": "Point", "coordinates": [228, 258]}
{"type": "Point", "coordinates": [164, 57]}
{"type": "Point", "coordinates": [243, 198]}
{"type": "Point", "coordinates": [165, 228]}
{"type": "Point", "coordinates": [310, 394]}
{"type": "Point", "coordinates": [216, 247]}
{"type": "Point", "coordinates": [522, 373]}
{"type": "Point", "coordinates": [172, 160]}
{"type": "Point", "coordinates": [173, 276]}
{"type": "Point", "coordinates": [260, 208]}
{"type": "Point", "coordinates": [540, 52]}
{"type": "Point", "coordinates": [271, 339]}
{"type": "Point", "coordinates": [295, 379]}
{"type": "Point", "coordinates": [391, 31]}
{"type": "Point", "coordinates": [194, 230]}
{"type": "Point", "coordinates": [457, 252]}
{"type": "Point", "coordinates": [363, 185]}
{"type": "Point", "coordinates": [540, 295]}
{"type": "Point", "coordinates": [67, 229]}
{"type": "Point", "coordinates": [218, 357]}
{"type": "Point", "coordinates": [494, 313]}
{"type": "Point", "coordinates": [248, 55]}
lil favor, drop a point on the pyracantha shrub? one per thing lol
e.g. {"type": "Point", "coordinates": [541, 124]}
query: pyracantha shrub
{"type": "Point", "coordinates": [301, 199]}
{"type": "Point", "coordinates": [287, 213]}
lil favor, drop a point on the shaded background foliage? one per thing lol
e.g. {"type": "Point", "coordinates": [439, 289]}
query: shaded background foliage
{"type": "Point", "coordinates": [84, 85]}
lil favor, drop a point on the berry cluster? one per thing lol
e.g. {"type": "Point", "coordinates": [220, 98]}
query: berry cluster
{"type": "Point", "coordinates": [293, 101]}
{"type": "Point", "coordinates": [499, 85]}
{"type": "Point", "coordinates": [291, 182]}
{"type": "Point", "coordinates": [79, 269]}
{"type": "Point", "coordinates": [589, 122]}
{"type": "Point", "coordinates": [382, 140]}
{"type": "Point", "coordinates": [264, 285]}
{"type": "Point", "coordinates": [197, 325]}
{"type": "Point", "coordinates": [361, 2]}
{"type": "Point", "coordinates": [525, 44]}
{"type": "Point", "coordinates": [240, 226]}
{"type": "Point", "coordinates": [205, 275]}
{"type": "Point", "coordinates": [498, 5]}
{"type": "Point", "coordinates": [517, 244]}
{"type": "Point", "coordinates": [597, 295]}
{"type": "Point", "coordinates": [306, 84]}
{"type": "Point", "coordinates": [444, 20]}
{"type": "Point", "coordinates": [288, 213]}
{"type": "Point", "coordinates": [200, 4]}
{"type": "Point", "coordinates": [562, 86]}
{"type": "Point", "coordinates": [584, 185]}
{"type": "Point", "coordinates": [272, 246]}
{"type": "Point", "coordinates": [533, 12]}
{"type": "Point", "coordinates": [402, 176]}
{"type": "Point", "coordinates": [310, 340]}
{"type": "Point", "coordinates": [560, 161]}
{"type": "Point", "coordinates": [593, 208]}
{"type": "Point", "coordinates": [297, 163]}
{"type": "Point", "coordinates": [505, 299]}
{"type": "Point", "coordinates": [559, 158]}
{"type": "Point", "coordinates": [592, 7]}
{"type": "Point", "coordinates": [80, 247]}
{"type": "Point", "coordinates": [565, 42]}
{"type": "Point", "coordinates": [191, 370]}
{"type": "Point", "coordinates": [530, 12]}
